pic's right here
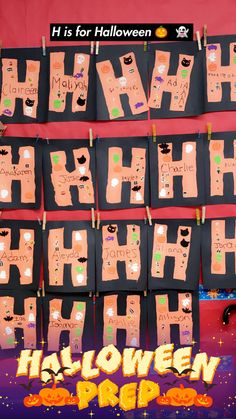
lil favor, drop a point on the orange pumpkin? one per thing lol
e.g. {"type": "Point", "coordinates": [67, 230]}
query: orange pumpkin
{"type": "Point", "coordinates": [212, 67]}
{"type": "Point", "coordinates": [203, 400]}
{"type": "Point", "coordinates": [32, 400]}
{"type": "Point", "coordinates": [57, 65]}
{"type": "Point", "coordinates": [105, 68]}
{"type": "Point", "coordinates": [54, 396]}
{"type": "Point", "coordinates": [163, 400]}
{"type": "Point", "coordinates": [161, 32]}
{"type": "Point", "coordinates": [181, 396]}
{"type": "Point", "coordinates": [162, 58]}
{"type": "Point", "coordinates": [71, 400]}
{"type": "Point", "coordinates": [32, 68]}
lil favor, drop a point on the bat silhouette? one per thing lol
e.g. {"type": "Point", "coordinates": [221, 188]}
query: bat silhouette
{"type": "Point", "coordinates": [208, 386]}
{"type": "Point", "coordinates": [60, 371]}
{"type": "Point", "coordinates": [82, 260]}
{"type": "Point", "coordinates": [3, 233]}
{"type": "Point", "coordinates": [8, 318]}
{"type": "Point", "coordinates": [175, 371]}
{"type": "Point", "coordinates": [171, 384]}
{"type": "Point", "coordinates": [186, 310]}
{"type": "Point", "coordinates": [136, 188]}
{"type": "Point", "coordinates": [45, 382]}
{"type": "Point", "coordinates": [27, 386]}
{"type": "Point", "coordinates": [84, 178]}
{"type": "Point", "coordinates": [64, 384]}
{"type": "Point", "coordinates": [3, 152]}
{"type": "Point", "coordinates": [164, 148]}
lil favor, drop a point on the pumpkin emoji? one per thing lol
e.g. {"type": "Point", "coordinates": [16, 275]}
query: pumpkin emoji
{"type": "Point", "coordinates": [162, 58]}
{"type": "Point", "coordinates": [57, 65]}
{"type": "Point", "coordinates": [181, 396]}
{"type": "Point", "coordinates": [71, 400]}
{"type": "Point", "coordinates": [105, 68]}
{"type": "Point", "coordinates": [54, 396]}
{"type": "Point", "coordinates": [32, 400]}
{"type": "Point", "coordinates": [161, 32]}
{"type": "Point", "coordinates": [31, 68]}
{"type": "Point", "coordinates": [203, 400]}
{"type": "Point", "coordinates": [212, 67]}
{"type": "Point", "coordinates": [163, 400]}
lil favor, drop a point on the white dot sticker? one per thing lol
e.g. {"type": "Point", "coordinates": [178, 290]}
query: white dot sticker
{"type": "Point", "coordinates": [114, 182]}
{"type": "Point", "coordinates": [80, 278]}
{"type": "Point", "coordinates": [160, 230]}
{"type": "Point", "coordinates": [27, 272]}
{"type": "Point", "coordinates": [162, 193]}
{"type": "Point", "coordinates": [3, 275]}
{"type": "Point", "coordinates": [4, 193]}
{"type": "Point", "coordinates": [26, 154]}
{"type": "Point", "coordinates": [82, 170]}
{"type": "Point", "coordinates": [188, 148]}
{"type": "Point", "coordinates": [80, 59]}
{"type": "Point", "coordinates": [2, 246]}
{"type": "Point", "coordinates": [27, 236]}
{"type": "Point", "coordinates": [138, 196]}
{"type": "Point", "coordinates": [78, 236]}
{"type": "Point", "coordinates": [79, 316]}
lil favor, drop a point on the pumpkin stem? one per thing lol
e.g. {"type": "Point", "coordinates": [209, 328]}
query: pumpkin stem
{"type": "Point", "coordinates": [181, 386]}
{"type": "Point", "coordinates": [54, 386]}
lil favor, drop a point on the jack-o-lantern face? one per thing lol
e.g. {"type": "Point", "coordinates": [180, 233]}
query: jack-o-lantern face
{"type": "Point", "coordinates": [71, 400]}
{"type": "Point", "coordinates": [161, 32]}
{"type": "Point", "coordinates": [203, 400]}
{"type": "Point", "coordinates": [181, 396]}
{"type": "Point", "coordinates": [163, 400]}
{"type": "Point", "coordinates": [32, 400]}
{"type": "Point", "coordinates": [54, 396]}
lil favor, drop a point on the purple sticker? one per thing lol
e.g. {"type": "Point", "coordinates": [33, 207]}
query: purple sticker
{"type": "Point", "coordinates": [7, 112]}
{"type": "Point", "coordinates": [138, 105]}
{"type": "Point", "coordinates": [160, 79]}
{"type": "Point", "coordinates": [212, 47]}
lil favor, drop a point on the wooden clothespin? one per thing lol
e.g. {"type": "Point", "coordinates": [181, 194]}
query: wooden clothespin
{"type": "Point", "coordinates": [203, 214]}
{"type": "Point", "coordinates": [44, 45]}
{"type": "Point", "coordinates": [154, 133]}
{"type": "Point", "coordinates": [93, 217]}
{"type": "Point", "coordinates": [43, 289]}
{"type": "Point", "coordinates": [209, 131]}
{"type": "Point", "coordinates": [149, 215]}
{"type": "Point", "coordinates": [44, 220]}
{"type": "Point", "coordinates": [2, 129]}
{"type": "Point", "coordinates": [145, 46]}
{"type": "Point", "coordinates": [97, 48]}
{"type": "Point", "coordinates": [90, 137]}
{"type": "Point", "coordinates": [205, 35]}
{"type": "Point", "coordinates": [145, 293]}
{"type": "Point", "coordinates": [98, 220]}
{"type": "Point", "coordinates": [92, 47]}
{"type": "Point", "coordinates": [198, 216]}
{"type": "Point", "coordinates": [199, 41]}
